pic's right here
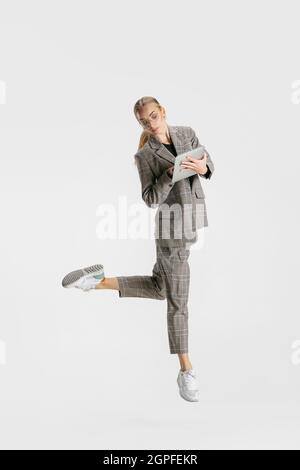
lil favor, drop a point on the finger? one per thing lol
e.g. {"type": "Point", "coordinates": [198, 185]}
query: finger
{"type": "Point", "coordinates": [187, 165]}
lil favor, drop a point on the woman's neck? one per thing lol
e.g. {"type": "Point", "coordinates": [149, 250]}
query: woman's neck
{"type": "Point", "coordinates": [165, 139]}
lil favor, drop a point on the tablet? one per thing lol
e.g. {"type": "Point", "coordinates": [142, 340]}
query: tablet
{"type": "Point", "coordinates": [180, 173]}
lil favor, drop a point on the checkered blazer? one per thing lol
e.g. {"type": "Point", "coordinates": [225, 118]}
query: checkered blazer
{"type": "Point", "coordinates": [181, 206]}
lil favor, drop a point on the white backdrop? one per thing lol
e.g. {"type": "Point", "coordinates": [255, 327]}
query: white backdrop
{"type": "Point", "coordinates": [92, 370]}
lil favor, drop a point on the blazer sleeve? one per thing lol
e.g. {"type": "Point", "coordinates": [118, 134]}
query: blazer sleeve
{"type": "Point", "coordinates": [154, 190]}
{"type": "Point", "coordinates": [209, 163]}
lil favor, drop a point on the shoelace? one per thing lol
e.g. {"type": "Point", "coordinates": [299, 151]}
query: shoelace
{"type": "Point", "coordinates": [189, 376]}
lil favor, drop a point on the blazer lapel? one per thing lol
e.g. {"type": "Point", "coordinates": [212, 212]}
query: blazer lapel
{"type": "Point", "coordinates": [161, 150]}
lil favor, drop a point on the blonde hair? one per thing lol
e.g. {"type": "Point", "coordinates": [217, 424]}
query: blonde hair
{"type": "Point", "coordinates": [137, 107]}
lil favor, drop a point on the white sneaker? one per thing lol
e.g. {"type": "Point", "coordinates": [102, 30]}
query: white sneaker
{"type": "Point", "coordinates": [188, 387]}
{"type": "Point", "coordinates": [85, 278]}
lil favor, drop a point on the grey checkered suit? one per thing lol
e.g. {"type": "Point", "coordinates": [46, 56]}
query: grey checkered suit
{"type": "Point", "coordinates": [170, 277]}
{"type": "Point", "coordinates": [181, 206]}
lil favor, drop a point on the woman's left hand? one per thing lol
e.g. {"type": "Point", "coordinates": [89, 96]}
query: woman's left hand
{"type": "Point", "coordinates": [199, 166]}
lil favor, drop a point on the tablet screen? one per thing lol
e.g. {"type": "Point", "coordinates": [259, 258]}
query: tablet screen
{"type": "Point", "coordinates": [180, 173]}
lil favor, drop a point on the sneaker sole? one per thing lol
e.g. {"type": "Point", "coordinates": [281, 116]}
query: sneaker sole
{"type": "Point", "coordinates": [96, 270]}
{"type": "Point", "coordinates": [187, 399]}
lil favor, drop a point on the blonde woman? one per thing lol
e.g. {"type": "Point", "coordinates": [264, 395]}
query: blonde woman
{"type": "Point", "coordinates": [184, 212]}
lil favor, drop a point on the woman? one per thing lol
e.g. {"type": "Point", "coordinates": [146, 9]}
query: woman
{"type": "Point", "coordinates": [175, 229]}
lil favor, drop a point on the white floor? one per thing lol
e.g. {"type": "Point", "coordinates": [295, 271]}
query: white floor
{"type": "Point", "coordinates": [104, 412]}
{"type": "Point", "coordinates": [209, 426]}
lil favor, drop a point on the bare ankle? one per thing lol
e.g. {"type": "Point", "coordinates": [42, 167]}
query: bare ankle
{"type": "Point", "coordinates": [108, 283]}
{"type": "Point", "coordinates": [101, 284]}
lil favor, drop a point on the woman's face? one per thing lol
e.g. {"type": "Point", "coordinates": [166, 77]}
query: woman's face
{"type": "Point", "coordinates": [152, 119]}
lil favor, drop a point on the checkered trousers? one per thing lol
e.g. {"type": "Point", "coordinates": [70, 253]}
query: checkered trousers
{"type": "Point", "coordinates": [170, 280]}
